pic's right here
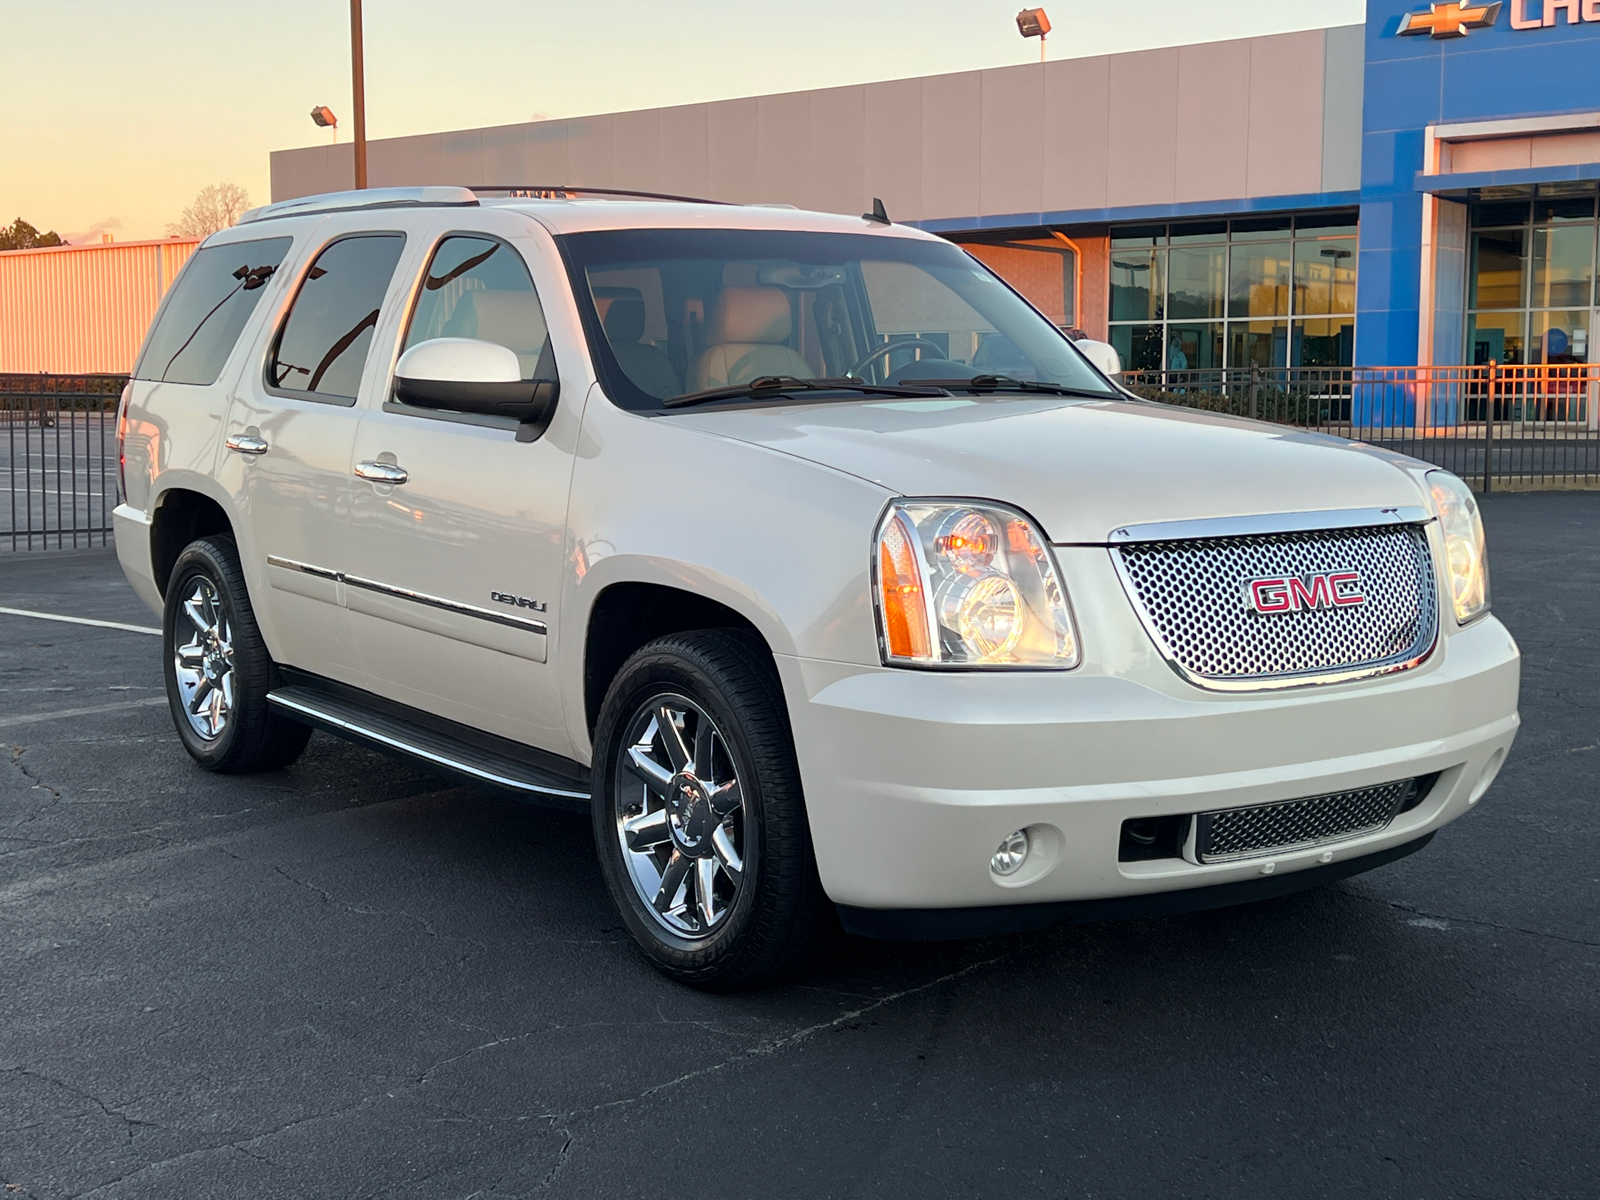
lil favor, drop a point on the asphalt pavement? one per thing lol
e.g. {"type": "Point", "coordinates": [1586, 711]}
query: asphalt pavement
{"type": "Point", "coordinates": [353, 978]}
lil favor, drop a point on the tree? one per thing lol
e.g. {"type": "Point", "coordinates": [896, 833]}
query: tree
{"type": "Point", "coordinates": [218, 206]}
{"type": "Point", "coordinates": [19, 235]}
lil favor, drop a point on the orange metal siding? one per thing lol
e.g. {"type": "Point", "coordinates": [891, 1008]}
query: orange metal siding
{"type": "Point", "coordinates": [83, 309]}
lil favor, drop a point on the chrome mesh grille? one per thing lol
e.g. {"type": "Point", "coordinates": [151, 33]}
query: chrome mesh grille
{"type": "Point", "coordinates": [1237, 833]}
{"type": "Point", "coordinates": [1193, 597]}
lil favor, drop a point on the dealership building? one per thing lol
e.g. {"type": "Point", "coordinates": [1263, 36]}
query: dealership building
{"type": "Point", "coordinates": [1418, 190]}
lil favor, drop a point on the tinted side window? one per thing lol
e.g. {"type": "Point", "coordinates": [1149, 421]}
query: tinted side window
{"type": "Point", "coordinates": [208, 308]}
{"type": "Point", "coordinates": [479, 288]}
{"type": "Point", "coordinates": [324, 343]}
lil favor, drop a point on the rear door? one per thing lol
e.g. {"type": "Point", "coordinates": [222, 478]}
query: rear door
{"type": "Point", "coordinates": [290, 431]}
{"type": "Point", "coordinates": [455, 575]}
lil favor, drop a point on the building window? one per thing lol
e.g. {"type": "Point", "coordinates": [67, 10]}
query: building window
{"type": "Point", "coordinates": [1531, 283]}
{"type": "Point", "coordinates": [1268, 292]}
{"type": "Point", "coordinates": [1045, 272]}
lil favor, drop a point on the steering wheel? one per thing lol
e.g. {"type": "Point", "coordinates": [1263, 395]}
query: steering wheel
{"type": "Point", "coordinates": [889, 348]}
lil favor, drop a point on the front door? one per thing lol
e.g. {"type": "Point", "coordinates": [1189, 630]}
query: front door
{"type": "Point", "coordinates": [456, 555]}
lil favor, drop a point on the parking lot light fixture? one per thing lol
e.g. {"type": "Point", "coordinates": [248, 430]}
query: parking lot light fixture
{"type": "Point", "coordinates": [322, 116]}
{"type": "Point", "coordinates": [1032, 22]}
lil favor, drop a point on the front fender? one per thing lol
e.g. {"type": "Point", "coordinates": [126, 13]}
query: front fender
{"type": "Point", "coordinates": [782, 541]}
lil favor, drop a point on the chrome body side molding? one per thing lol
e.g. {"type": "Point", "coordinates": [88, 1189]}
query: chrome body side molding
{"type": "Point", "coordinates": [400, 593]}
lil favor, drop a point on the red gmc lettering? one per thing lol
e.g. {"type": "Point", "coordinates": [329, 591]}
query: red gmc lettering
{"type": "Point", "coordinates": [1271, 596]}
{"type": "Point", "coordinates": [1342, 589]}
{"type": "Point", "coordinates": [1316, 596]}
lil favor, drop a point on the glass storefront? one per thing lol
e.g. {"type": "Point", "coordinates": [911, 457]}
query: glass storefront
{"type": "Point", "coordinates": [1273, 292]}
{"type": "Point", "coordinates": [1531, 283]}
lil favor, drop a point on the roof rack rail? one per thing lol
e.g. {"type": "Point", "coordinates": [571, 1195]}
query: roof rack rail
{"type": "Point", "coordinates": [540, 191]}
{"type": "Point", "coordinates": [392, 197]}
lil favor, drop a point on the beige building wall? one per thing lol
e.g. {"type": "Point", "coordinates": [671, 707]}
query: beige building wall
{"type": "Point", "coordinates": [1041, 143]}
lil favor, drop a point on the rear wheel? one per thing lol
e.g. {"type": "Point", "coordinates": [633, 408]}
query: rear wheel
{"type": "Point", "coordinates": [217, 668]}
{"type": "Point", "coordinates": [699, 819]}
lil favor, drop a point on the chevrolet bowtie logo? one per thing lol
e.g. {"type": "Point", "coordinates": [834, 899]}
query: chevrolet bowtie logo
{"type": "Point", "coordinates": [1449, 20]}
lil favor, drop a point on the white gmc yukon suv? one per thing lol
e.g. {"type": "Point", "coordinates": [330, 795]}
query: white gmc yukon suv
{"type": "Point", "coordinates": [822, 570]}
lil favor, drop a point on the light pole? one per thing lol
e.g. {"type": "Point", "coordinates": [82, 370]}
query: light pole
{"type": "Point", "coordinates": [358, 90]}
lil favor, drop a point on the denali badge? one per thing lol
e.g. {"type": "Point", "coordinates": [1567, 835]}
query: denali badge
{"type": "Point", "coordinates": [518, 601]}
{"type": "Point", "coordinates": [1336, 589]}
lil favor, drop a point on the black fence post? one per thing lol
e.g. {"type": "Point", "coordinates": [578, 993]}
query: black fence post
{"type": "Point", "coordinates": [1255, 388]}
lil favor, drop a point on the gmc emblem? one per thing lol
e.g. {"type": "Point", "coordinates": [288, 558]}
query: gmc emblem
{"type": "Point", "coordinates": [1293, 593]}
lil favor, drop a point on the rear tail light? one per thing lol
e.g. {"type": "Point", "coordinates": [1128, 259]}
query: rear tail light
{"type": "Point", "coordinates": [122, 443]}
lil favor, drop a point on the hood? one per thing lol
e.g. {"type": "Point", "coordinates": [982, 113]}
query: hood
{"type": "Point", "coordinates": [1081, 468]}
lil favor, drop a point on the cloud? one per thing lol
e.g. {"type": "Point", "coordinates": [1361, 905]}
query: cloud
{"type": "Point", "coordinates": [92, 234]}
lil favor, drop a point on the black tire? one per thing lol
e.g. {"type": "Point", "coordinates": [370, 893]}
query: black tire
{"type": "Point", "coordinates": [255, 737]}
{"type": "Point", "coordinates": [779, 922]}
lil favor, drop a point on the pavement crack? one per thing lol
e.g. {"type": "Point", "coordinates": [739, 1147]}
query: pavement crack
{"type": "Point", "coordinates": [33, 779]}
{"type": "Point", "coordinates": [1433, 916]}
{"type": "Point", "coordinates": [129, 1123]}
{"type": "Point", "coordinates": [790, 1040]}
{"type": "Point", "coordinates": [361, 910]}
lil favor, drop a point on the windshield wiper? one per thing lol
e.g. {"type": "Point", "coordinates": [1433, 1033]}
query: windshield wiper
{"type": "Point", "coordinates": [1005, 383]}
{"type": "Point", "coordinates": [770, 387]}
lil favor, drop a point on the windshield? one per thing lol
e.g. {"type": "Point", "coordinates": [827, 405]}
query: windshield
{"type": "Point", "coordinates": [673, 312]}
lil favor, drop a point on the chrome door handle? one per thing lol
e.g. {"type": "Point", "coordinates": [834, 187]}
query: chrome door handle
{"type": "Point", "coordinates": [245, 443]}
{"type": "Point", "coordinates": [381, 472]}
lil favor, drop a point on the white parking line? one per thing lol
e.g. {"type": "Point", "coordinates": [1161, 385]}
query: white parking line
{"type": "Point", "coordinates": [23, 612]}
{"type": "Point", "coordinates": [62, 714]}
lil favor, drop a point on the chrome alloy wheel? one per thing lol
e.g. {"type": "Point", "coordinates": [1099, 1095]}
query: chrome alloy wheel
{"type": "Point", "coordinates": [204, 663]}
{"type": "Point", "coordinates": [680, 816]}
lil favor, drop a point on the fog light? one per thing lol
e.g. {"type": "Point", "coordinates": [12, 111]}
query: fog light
{"type": "Point", "coordinates": [1013, 852]}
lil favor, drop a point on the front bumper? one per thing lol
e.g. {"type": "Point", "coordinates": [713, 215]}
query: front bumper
{"type": "Point", "coordinates": [912, 778]}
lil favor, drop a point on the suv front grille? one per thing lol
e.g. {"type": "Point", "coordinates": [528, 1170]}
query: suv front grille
{"type": "Point", "coordinates": [1236, 833]}
{"type": "Point", "coordinates": [1193, 596]}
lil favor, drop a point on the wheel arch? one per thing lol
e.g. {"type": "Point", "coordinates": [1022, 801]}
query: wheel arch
{"type": "Point", "coordinates": [630, 614]}
{"type": "Point", "coordinates": [181, 515]}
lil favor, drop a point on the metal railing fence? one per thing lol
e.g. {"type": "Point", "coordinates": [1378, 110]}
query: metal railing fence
{"type": "Point", "coordinates": [58, 455]}
{"type": "Point", "coordinates": [1511, 428]}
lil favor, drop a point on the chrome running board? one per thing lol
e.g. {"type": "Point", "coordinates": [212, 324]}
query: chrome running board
{"type": "Point", "coordinates": [343, 714]}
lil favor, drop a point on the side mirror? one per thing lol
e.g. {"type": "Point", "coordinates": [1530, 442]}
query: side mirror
{"type": "Point", "coordinates": [467, 375]}
{"type": "Point", "coordinates": [1103, 355]}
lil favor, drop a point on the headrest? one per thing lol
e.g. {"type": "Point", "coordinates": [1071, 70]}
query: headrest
{"type": "Point", "coordinates": [749, 314]}
{"type": "Point", "coordinates": [624, 323]}
{"type": "Point", "coordinates": [509, 318]}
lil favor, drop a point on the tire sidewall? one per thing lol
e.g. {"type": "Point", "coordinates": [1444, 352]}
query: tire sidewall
{"type": "Point", "coordinates": [667, 669]}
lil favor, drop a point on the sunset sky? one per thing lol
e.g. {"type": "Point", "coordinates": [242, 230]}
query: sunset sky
{"type": "Point", "coordinates": [118, 113]}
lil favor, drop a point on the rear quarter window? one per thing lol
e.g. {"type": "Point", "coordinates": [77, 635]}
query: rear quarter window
{"type": "Point", "coordinates": [207, 310]}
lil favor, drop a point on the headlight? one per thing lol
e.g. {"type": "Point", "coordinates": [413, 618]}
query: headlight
{"type": "Point", "coordinates": [969, 585]}
{"type": "Point", "coordinates": [1463, 544]}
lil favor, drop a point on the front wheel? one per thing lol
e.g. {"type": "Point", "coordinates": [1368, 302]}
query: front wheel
{"type": "Point", "coordinates": [217, 668]}
{"type": "Point", "coordinates": [699, 818]}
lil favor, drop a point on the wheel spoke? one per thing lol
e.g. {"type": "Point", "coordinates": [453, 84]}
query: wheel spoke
{"type": "Point", "coordinates": [671, 881]}
{"type": "Point", "coordinates": [201, 691]}
{"type": "Point", "coordinates": [196, 614]}
{"type": "Point", "coordinates": [730, 859]}
{"type": "Point", "coordinates": [646, 830]}
{"type": "Point", "coordinates": [726, 799]}
{"type": "Point", "coordinates": [191, 657]}
{"type": "Point", "coordinates": [705, 886]}
{"type": "Point", "coordinates": [704, 732]}
{"type": "Point", "coordinates": [655, 776]}
{"type": "Point", "coordinates": [672, 739]}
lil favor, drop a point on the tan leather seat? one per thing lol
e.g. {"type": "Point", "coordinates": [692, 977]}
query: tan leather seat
{"type": "Point", "coordinates": [650, 369]}
{"type": "Point", "coordinates": [745, 340]}
{"type": "Point", "coordinates": [510, 319]}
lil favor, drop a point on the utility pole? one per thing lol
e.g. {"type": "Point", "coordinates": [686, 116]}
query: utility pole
{"type": "Point", "coordinates": [358, 89]}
